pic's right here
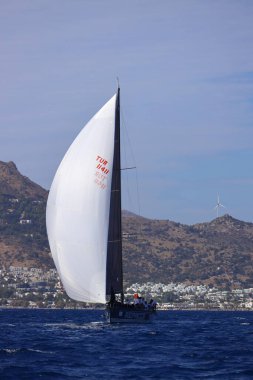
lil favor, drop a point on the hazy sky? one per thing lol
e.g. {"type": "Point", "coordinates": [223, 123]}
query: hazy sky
{"type": "Point", "coordinates": [186, 75]}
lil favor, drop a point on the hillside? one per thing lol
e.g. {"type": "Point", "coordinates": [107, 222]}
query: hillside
{"type": "Point", "coordinates": [218, 253]}
{"type": "Point", "coordinates": [23, 239]}
{"type": "Point", "coordinates": [15, 184]}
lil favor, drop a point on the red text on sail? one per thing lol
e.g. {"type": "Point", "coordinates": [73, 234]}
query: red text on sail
{"type": "Point", "coordinates": [101, 172]}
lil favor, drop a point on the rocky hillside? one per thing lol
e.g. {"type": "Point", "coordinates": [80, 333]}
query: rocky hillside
{"type": "Point", "coordinates": [23, 240]}
{"type": "Point", "coordinates": [18, 186]}
{"type": "Point", "coordinates": [218, 253]}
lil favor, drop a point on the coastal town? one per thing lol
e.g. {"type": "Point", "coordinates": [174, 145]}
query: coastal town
{"type": "Point", "coordinates": [37, 288]}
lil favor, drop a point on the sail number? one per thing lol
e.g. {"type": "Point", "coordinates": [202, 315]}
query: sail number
{"type": "Point", "coordinates": [102, 165]}
{"type": "Point", "coordinates": [101, 172]}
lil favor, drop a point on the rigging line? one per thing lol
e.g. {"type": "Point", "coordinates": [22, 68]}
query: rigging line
{"type": "Point", "coordinates": [126, 177]}
{"type": "Point", "coordinates": [127, 136]}
{"type": "Point", "coordinates": [136, 172]}
{"type": "Point", "coordinates": [139, 205]}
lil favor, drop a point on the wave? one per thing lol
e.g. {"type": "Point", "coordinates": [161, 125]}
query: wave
{"type": "Point", "coordinates": [77, 326]}
{"type": "Point", "coordinates": [17, 350]}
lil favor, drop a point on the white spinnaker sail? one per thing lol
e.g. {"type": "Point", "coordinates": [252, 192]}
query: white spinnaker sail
{"type": "Point", "coordinates": [78, 208]}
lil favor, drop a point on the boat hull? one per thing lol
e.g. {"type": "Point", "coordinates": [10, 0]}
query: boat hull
{"type": "Point", "coordinates": [125, 315]}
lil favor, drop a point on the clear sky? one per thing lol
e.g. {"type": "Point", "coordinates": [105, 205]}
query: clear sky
{"type": "Point", "coordinates": [186, 75]}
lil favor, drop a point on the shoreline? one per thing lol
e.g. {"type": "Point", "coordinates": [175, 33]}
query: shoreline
{"type": "Point", "coordinates": [102, 309]}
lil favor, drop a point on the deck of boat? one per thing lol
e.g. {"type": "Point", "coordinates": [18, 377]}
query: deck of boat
{"type": "Point", "coordinates": [127, 314]}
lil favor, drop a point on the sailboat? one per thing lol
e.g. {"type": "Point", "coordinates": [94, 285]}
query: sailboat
{"type": "Point", "coordinates": [83, 217]}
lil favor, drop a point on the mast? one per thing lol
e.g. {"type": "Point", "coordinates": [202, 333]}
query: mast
{"type": "Point", "coordinates": [114, 272]}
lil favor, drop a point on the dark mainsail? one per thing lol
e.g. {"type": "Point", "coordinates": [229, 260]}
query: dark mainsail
{"type": "Point", "coordinates": [114, 275]}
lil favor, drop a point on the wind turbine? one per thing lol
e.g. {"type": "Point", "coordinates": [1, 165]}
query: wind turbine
{"type": "Point", "coordinates": [218, 205]}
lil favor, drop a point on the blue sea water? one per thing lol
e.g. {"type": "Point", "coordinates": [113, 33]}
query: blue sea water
{"type": "Point", "coordinates": [80, 344]}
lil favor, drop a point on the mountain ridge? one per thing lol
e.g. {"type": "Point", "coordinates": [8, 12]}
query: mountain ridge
{"type": "Point", "coordinates": [217, 253]}
{"type": "Point", "coordinates": [13, 183]}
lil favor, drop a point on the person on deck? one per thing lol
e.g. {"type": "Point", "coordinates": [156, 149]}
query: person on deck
{"type": "Point", "coordinates": [136, 299]}
{"type": "Point", "coordinates": [152, 304]}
